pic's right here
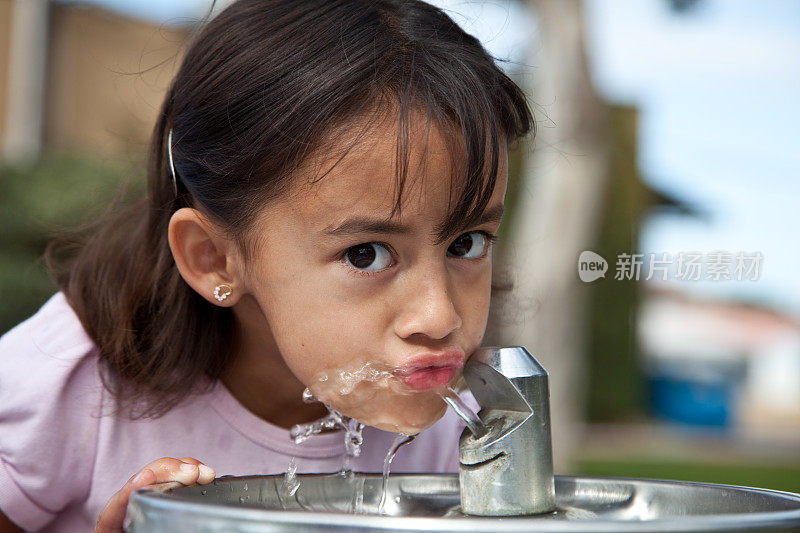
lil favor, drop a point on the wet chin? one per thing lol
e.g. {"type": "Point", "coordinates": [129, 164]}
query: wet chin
{"type": "Point", "coordinates": [405, 413]}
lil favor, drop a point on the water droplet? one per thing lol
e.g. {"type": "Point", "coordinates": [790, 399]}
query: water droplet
{"type": "Point", "coordinates": [204, 492]}
{"type": "Point", "coordinates": [308, 397]}
{"type": "Point", "coordinates": [244, 499]}
{"type": "Point", "coordinates": [245, 487]}
{"type": "Point", "coordinates": [290, 481]}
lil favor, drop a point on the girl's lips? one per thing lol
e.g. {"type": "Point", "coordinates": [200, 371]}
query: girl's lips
{"type": "Point", "coordinates": [428, 371]}
{"type": "Point", "coordinates": [429, 378]}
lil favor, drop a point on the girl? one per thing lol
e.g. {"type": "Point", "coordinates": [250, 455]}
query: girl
{"type": "Point", "coordinates": [325, 181]}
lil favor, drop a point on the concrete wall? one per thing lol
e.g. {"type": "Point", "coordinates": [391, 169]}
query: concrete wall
{"type": "Point", "coordinates": [5, 36]}
{"type": "Point", "coordinates": [105, 80]}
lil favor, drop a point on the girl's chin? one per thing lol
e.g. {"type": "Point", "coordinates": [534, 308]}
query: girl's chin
{"type": "Point", "coordinates": [408, 423]}
{"type": "Point", "coordinates": [406, 414]}
{"type": "Point", "coordinates": [379, 399]}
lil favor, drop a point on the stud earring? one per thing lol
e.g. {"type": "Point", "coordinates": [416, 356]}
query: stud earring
{"type": "Point", "coordinates": [222, 291]}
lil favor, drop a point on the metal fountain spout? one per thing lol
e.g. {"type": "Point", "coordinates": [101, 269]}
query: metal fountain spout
{"type": "Point", "coordinates": [508, 470]}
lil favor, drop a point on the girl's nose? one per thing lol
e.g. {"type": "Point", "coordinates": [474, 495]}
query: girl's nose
{"type": "Point", "coordinates": [428, 310]}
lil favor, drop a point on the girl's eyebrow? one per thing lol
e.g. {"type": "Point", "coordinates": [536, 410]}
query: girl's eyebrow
{"type": "Point", "coordinates": [491, 214]}
{"type": "Point", "coordinates": [357, 225]}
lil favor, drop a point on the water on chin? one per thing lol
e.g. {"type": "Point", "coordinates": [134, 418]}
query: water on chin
{"type": "Point", "coordinates": [346, 381]}
{"type": "Point", "coordinates": [333, 384]}
{"type": "Point", "coordinates": [371, 384]}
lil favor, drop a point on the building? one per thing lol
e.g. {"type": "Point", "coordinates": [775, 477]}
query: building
{"type": "Point", "coordinates": [737, 363]}
{"type": "Point", "coordinates": [80, 78]}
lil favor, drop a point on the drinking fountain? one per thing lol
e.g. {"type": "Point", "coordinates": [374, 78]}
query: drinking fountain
{"type": "Point", "coordinates": [505, 484]}
{"type": "Point", "coordinates": [508, 470]}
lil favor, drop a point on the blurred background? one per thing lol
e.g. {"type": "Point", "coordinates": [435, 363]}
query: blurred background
{"type": "Point", "coordinates": [667, 146]}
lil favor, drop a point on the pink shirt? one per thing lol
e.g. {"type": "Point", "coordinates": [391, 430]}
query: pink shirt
{"type": "Point", "coordinates": [61, 459]}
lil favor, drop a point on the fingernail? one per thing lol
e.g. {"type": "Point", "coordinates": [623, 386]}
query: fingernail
{"type": "Point", "coordinates": [206, 471]}
{"type": "Point", "coordinates": [189, 469]}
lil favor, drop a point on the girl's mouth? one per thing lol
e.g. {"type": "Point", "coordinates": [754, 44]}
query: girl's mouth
{"type": "Point", "coordinates": [428, 371]}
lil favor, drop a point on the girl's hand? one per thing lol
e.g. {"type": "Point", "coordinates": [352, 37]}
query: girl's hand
{"type": "Point", "coordinates": [186, 471]}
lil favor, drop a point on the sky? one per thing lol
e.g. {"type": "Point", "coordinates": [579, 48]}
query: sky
{"type": "Point", "coordinates": [717, 90]}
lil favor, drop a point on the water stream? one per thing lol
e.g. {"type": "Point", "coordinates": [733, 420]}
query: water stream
{"type": "Point", "coordinates": [290, 479]}
{"type": "Point", "coordinates": [469, 416]}
{"type": "Point", "coordinates": [353, 438]}
{"type": "Point", "coordinates": [399, 441]}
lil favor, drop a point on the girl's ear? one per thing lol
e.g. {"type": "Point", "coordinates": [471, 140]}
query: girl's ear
{"type": "Point", "coordinates": [205, 257]}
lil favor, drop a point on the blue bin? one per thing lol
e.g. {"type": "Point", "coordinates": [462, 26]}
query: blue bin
{"type": "Point", "coordinates": [695, 393]}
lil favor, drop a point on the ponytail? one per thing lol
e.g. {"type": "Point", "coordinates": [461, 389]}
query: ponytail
{"type": "Point", "coordinates": [157, 338]}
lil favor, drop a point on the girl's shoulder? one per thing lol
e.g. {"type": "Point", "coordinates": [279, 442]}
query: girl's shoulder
{"type": "Point", "coordinates": [53, 331]}
{"type": "Point", "coordinates": [50, 398]}
{"type": "Point", "coordinates": [48, 361]}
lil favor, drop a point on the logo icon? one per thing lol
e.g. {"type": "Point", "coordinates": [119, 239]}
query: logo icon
{"type": "Point", "coordinates": [591, 266]}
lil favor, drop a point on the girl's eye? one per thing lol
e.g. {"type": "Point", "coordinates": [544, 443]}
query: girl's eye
{"type": "Point", "coordinates": [369, 256]}
{"type": "Point", "coordinates": [470, 245]}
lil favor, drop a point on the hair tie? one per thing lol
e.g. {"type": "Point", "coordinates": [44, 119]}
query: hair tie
{"type": "Point", "coordinates": [172, 163]}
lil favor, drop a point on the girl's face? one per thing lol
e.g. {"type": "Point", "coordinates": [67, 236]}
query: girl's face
{"type": "Point", "coordinates": [368, 311]}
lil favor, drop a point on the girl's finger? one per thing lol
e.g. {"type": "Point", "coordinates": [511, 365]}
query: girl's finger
{"type": "Point", "coordinates": [169, 469]}
{"type": "Point", "coordinates": [207, 474]}
{"type": "Point", "coordinates": [112, 516]}
{"type": "Point", "coordinates": [186, 471]}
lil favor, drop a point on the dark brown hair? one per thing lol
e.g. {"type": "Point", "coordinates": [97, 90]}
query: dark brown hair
{"type": "Point", "coordinates": [264, 85]}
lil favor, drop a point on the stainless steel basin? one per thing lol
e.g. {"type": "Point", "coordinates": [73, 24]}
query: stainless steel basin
{"type": "Point", "coordinates": [431, 503]}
